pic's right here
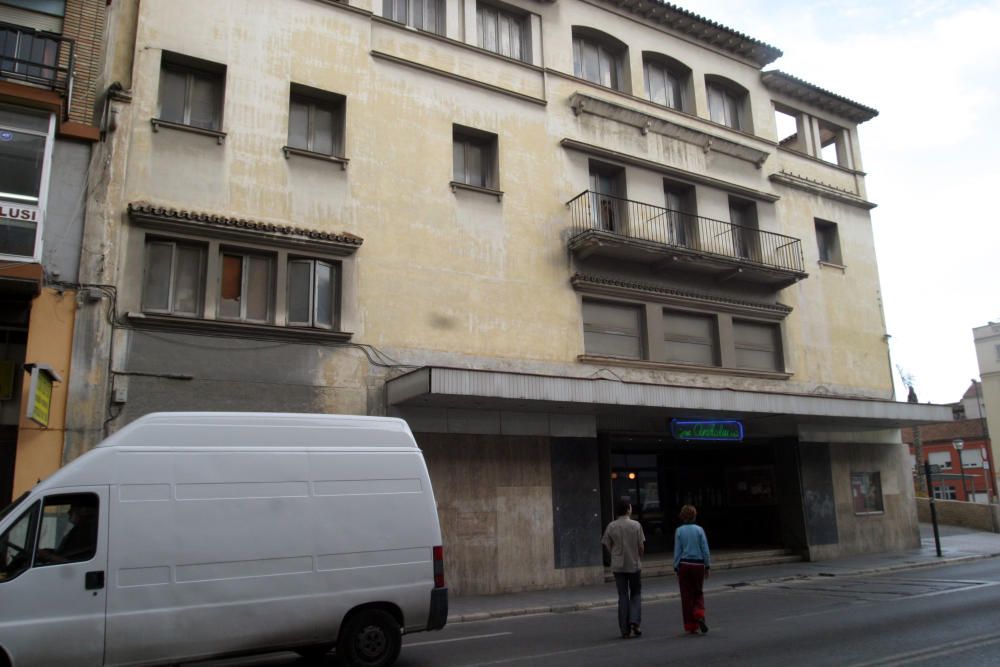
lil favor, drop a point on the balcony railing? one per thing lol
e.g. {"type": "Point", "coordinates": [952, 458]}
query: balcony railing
{"type": "Point", "coordinates": [679, 230]}
{"type": "Point", "coordinates": [35, 57]}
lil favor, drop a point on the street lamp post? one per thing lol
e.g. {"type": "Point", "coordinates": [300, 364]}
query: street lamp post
{"type": "Point", "coordinates": [958, 444]}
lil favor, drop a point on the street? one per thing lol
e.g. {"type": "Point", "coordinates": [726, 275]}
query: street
{"type": "Point", "coordinates": [911, 617]}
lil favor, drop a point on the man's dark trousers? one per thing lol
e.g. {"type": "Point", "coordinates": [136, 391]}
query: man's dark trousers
{"type": "Point", "coordinates": [629, 600]}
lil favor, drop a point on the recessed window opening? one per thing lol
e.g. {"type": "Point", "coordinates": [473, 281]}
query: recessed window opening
{"type": "Point", "coordinates": [787, 123]}
{"type": "Point", "coordinates": [503, 31]}
{"type": "Point", "coordinates": [666, 81]}
{"type": "Point", "coordinates": [420, 14]}
{"type": "Point", "coordinates": [246, 287]}
{"type": "Point", "coordinates": [191, 91]}
{"type": "Point", "coordinates": [612, 330]}
{"type": "Point", "coordinates": [474, 154]}
{"type": "Point", "coordinates": [728, 103]}
{"type": "Point", "coordinates": [599, 58]}
{"type": "Point", "coordinates": [828, 242]}
{"type": "Point", "coordinates": [833, 144]}
{"type": "Point", "coordinates": [316, 121]}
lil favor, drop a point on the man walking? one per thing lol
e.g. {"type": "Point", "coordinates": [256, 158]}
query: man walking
{"type": "Point", "coordinates": [624, 539]}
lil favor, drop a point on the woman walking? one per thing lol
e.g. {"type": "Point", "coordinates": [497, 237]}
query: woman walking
{"type": "Point", "coordinates": [691, 563]}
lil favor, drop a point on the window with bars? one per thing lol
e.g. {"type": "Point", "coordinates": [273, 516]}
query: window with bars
{"type": "Point", "coordinates": [191, 92]}
{"type": "Point", "coordinates": [420, 14]}
{"type": "Point", "coordinates": [503, 31]}
{"type": "Point", "coordinates": [316, 121]}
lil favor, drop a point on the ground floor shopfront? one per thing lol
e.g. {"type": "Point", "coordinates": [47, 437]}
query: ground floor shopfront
{"type": "Point", "coordinates": [524, 494]}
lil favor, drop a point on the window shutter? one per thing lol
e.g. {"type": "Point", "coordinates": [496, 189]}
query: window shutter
{"type": "Point", "coordinates": [612, 330]}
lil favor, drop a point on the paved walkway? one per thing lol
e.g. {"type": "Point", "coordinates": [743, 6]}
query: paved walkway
{"type": "Point", "coordinates": [957, 545]}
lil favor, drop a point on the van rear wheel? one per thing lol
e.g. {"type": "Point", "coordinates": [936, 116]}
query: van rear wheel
{"type": "Point", "coordinates": [371, 638]}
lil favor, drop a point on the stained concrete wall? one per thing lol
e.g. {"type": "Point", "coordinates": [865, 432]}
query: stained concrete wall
{"type": "Point", "coordinates": [956, 513]}
{"type": "Point", "coordinates": [494, 497]}
{"type": "Point", "coordinates": [896, 527]}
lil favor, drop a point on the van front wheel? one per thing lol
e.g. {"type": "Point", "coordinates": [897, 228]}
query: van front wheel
{"type": "Point", "coordinates": [371, 638]}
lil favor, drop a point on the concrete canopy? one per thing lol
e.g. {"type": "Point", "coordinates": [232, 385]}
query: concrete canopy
{"type": "Point", "coordinates": [440, 387]}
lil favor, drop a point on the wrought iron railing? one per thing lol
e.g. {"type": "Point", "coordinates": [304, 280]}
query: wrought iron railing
{"type": "Point", "coordinates": [37, 57]}
{"type": "Point", "coordinates": [636, 220]}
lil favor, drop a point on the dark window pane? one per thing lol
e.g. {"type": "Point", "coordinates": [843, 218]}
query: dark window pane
{"type": "Point", "coordinates": [298, 124]}
{"type": "Point", "coordinates": [156, 290]}
{"type": "Point", "coordinates": [232, 286]}
{"type": "Point", "coordinates": [324, 295]}
{"type": "Point", "coordinates": [173, 91]}
{"type": "Point", "coordinates": [21, 159]}
{"type": "Point", "coordinates": [323, 130]}
{"type": "Point", "coordinates": [299, 292]}
{"type": "Point", "coordinates": [205, 96]}
{"type": "Point", "coordinates": [188, 279]}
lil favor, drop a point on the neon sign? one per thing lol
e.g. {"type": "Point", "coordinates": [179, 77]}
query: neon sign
{"type": "Point", "coordinates": [707, 429]}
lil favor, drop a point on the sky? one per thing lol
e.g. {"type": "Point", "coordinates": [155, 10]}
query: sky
{"type": "Point", "coordinates": [932, 69]}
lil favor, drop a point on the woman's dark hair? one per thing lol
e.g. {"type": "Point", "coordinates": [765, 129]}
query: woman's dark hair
{"type": "Point", "coordinates": [688, 514]}
{"type": "Point", "coordinates": [623, 507]}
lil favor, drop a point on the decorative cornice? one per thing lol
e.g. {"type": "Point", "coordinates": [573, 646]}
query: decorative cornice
{"type": "Point", "coordinates": [822, 189]}
{"type": "Point", "coordinates": [646, 123]}
{"type": "Point", "coordinates": [612, 286]}
{"type": "Point", "coordinates": [702, 29]}
{"type": "Point", "coordinates": [342, 243]}
{"type": "Point", "coordinates": [781, 82]}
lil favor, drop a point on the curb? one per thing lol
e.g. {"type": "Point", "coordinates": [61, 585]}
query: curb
{"type": "Point", "coordinates": [655, 597]}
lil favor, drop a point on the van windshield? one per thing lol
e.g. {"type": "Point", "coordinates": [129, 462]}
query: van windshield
{"type": "Point", "coordinates": [10, 508]}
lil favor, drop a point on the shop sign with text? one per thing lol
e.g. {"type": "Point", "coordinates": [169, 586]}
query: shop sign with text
{"type": "Point", "coordinates": [707, 429]}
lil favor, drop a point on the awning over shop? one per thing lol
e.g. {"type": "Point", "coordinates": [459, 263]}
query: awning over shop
{"type": "Point", "coordinates": [439, 387]}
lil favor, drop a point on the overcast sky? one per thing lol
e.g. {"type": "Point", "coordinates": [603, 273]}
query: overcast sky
{"type": "Point", "coordinates": [932, 69]}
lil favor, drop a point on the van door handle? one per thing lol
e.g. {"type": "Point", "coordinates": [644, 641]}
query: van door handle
{"type": "Point", "coordinates": [94, 580]}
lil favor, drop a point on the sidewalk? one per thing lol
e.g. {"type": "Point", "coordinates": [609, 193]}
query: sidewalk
{"type": "Point", "coordinates": [957, 545]}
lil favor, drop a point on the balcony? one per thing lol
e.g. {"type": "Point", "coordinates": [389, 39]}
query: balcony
{"type": "Point", "coordinates": [38, 58]}
{"type": "Point", "coordinates": [668, 240]}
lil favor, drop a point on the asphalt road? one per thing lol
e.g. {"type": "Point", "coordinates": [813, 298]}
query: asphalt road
{"type": "Point", "coordinates": [916, 617]}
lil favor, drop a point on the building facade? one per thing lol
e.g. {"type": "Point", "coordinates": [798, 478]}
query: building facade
{"type": "Point", "coordinates": [588, 250]}
{"type": "Point", "coordinates": [50, 56]}
{"type": "Point", "coordinates": [987, 341]}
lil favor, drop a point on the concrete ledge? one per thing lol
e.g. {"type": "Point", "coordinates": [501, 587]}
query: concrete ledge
{"type": "Point", "coordinates": [958, 513]}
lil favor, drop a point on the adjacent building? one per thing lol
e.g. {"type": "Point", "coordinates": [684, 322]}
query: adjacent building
{"type": "Point", "coordinates": [589, 250]}
{"type": "Point", "coordinates": [50, 57]}
{"type": "Point", "coordinates": [959, 452]}
{"type": "Point", "coordinates": [987, 341]}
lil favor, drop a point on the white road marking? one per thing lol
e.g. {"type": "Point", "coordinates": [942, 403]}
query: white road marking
{"type": "Point", "coordinates": [901, 598]}
{"type": "Point", "coordinates": [458, 639]}
{"type": "Point", "coordinates": [941, 650]}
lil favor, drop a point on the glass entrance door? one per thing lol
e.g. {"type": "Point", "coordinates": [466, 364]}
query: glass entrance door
{"type": "Point", "coordinates": [636, 478]}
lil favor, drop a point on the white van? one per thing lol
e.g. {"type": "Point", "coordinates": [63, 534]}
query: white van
{"type": "Point", "coordinates": [193, 535]}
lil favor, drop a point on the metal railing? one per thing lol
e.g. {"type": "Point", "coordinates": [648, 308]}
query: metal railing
{"type": "Point", "coordinates": [636, 220]}
{"type": "Point", "coordinates": [36, 57]}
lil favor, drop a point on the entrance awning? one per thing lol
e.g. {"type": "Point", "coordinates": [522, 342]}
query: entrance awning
{"type": "Point", "coordinates": [441, 387]}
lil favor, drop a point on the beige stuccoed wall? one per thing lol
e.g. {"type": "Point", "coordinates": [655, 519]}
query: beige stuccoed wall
{"type": "Point", "coordinates": [987, 338]}
{"type": "Point", "coordinates": [458, 276]}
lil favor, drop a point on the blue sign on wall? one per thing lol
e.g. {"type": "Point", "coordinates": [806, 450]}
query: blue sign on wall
{"type": "Point", "coordinates": [707, 429]}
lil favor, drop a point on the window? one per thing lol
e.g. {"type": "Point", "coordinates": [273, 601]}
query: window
{"type": "Point", "coordinates": [834, 144]}
{"type": "Point", "coordinates": [599, 58]}
{"type": "Point", "coordinates": [666, 81]}
{"type": "Point", "coordinates": [942, 459]}
{"type": "Point", "coordinates": [68, 531]}
{"type": "Point", "coordinates": [607, 196]}
{"type": "Point", "coordinates": [316, 121]}
{"type": "Point", "coordinates": [191, 92]}
{"type": "Point", "coordinates": [25, 146]}
{"type": "Point", "coordinates": [789, 123]}
{"type": "Point", "coordinates": [32, 57]}
{"type": "Point", "coordinates": [866, 492]}
{"type": "Point", "coordinates": [727, 104]}
{"type": "Point", "coordinates": [744, 237]}
{"type": "Point", "coordinates": [218, 283]}
{"type": "Point", "coordinates": [420, 14]}
{"type": "Point", "coordinates": [475, 157]}
{"type": "Point", "coordinates": [174, 277]}
{"type": "Point", "coordinates": [246, 287]}
{"type": "Point", "coordinates": [971, 458]}
{"type": "Point", "coordinates": [679, 200]}
{"type": "Point", "coordinates": [17, 544]}
{"type": "Point", "coordinates": [828, 242]}
{"type": "Point", "coordinates": [612, 330]}
{"type": "Point", "coordinates": [312, 293]}
{"type": "Point", "coordinates": [690, 338]}
{"type": "Point", "coordinates": [680, 330]}
{"type": "Point", "coordinates": [945, 493]}
{"type": "Point", "coordinates": [503, 31]}
{"type": "Point", "coordinates": [758, 345]}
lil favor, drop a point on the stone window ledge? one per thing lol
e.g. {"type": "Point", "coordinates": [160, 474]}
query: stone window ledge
{"type": "Point", "coordinates": [159, 123]}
